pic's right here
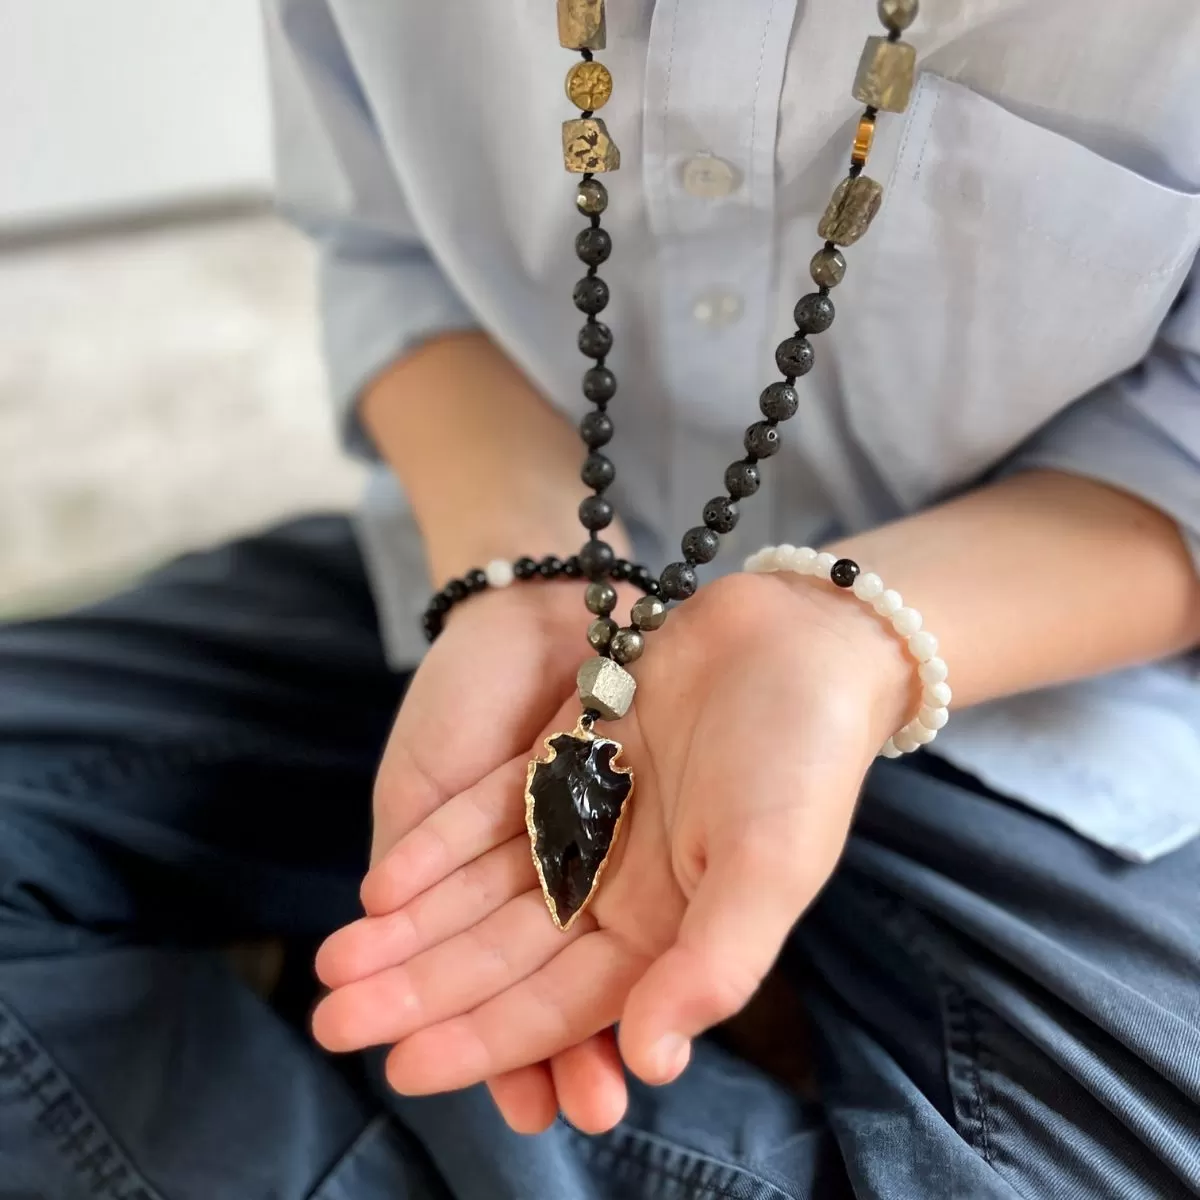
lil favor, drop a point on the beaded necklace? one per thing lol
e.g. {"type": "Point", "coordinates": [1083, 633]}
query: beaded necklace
{"type": "Point", "coordinates": [576, 793]}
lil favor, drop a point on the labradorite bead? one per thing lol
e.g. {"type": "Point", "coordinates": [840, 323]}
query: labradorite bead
{"type": "Point", "coordinates": [592, 197]}
{"type": "Point", "coordinates": [794, 356]}
{"type": "Point", "coordinates": [828, 267]}
{"type": "Point", "coordinates": [598, 471]}
{"type": "Point", "coordinates": [600, 598]}
{"type": "Point", "coordinates": [844, 572]}
{"type": "Point", "coordinates": [898, 14]}
{"type": "Point", "coordinates": [700, 545]}
{"type": "Point", "coordinates": [814, 313]}
{"type": "Point", "coordinates": [595, 339]}
{"type": "Point", "coordinates": [779, 402]}
{"type": "Point", "coordinates": [851, 210]}
{"type": "Point", "coordinates": [593, 246]}
{"type": "Point", "coordinates": [596, 429]}
{"type": "Point", "coordinates": [679, 581]}
{"type": "Point", "coordinates": [649, 613]}
{"type": "Point", "coordinates": [596, 558]}
{"type": "Point", "coordinates": [626, 646]}
{"type": "Point", "coordinates": [721, 514]}
{"type": "Point", "coordinates": [595, 513]}
{"type": "Point", "coordinates": [591, 295]}
{"type": "Point", "coordinates": [600, 633]}
{"type": "Point", "coordinates": [762, 440]}
{"type": "Point", "coordinates": [599, 384]}
{"type": "Point", "coordinates": [741, 479]}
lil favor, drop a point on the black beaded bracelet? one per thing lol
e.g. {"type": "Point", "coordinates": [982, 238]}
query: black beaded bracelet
{"type": "Point", "coordinates": [501, 574]}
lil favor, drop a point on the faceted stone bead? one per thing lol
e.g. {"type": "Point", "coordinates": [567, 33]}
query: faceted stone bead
{"type": "Point", "coordinates": [581, 24]}
{"type": "Point", "coordinates": [828, 267]}
{"type": "Point", "coordinates": [648, 614]}
{"type": "Point", "coordinates": [621, 570]}
{"type": "Point", "coordinates": [795, 356]}
{"type": "Point", "coordinates": [598, 471]}
{"type": "Point", "coordinates": [844, 572]}
{"type": "Point", "coordinates": [762, 440]}
{"type": "Point", "coordinates": [742, 479]}
{"type": "Point", "coordinates": [596, 429]}
{"type": "Point", "coordinates": [592, 197]}
{"type": "Point", "coordinates": [851, 211]}
{"type": "Point", "coordinates": [589, 85]}
{"type": "Point", "coordinates": [439, 604]}
{"type": "Point", "coordinates": [475, 580]}
{"type": "Point", "coordinates": [550, 567]}
{"type": "Point", "coordinates": [599, 385]}
{"type": "Point", "coordinates": [593, 246]}
{"type": "Point", "coordinates": [525, 568]}
{"type": "Point", "coordinates": [595, 513]}
{"type": "Point", "coordinates": [640, 577]}
{"type": "Point", "coordinates": [591, 295]}
{"type": "Point", "coordinates": [595, 339]}
{"type": "Point", "coordinates": [455, 591]}
{"type": "Point", "coordinates": [627, 646]}
{"type": "Point", "coordinates": [721, 514]}
{"type": "Point", "coordinates": [898, 14]}
{"type": "Point", "coordinates": [600, 598]}
{"type": "Point", "coordinates": [587, 147]}
{"type": "Point", "coordinates": [814, 313]}
{"type": "Point", "coordinates": [600, 633]}
{"type": "Point", "coordinates": [679, 581]}
{"type": "Point", "coordinates": [779, 402]}
{"type": "Point", "coordinates": [607, 687]}
{"type": "Point", "coordinates": [700, 545]}
{"type": "Point", "coordinates": [596, 558]}
{"type": "Point", "coordinates": [885, 74]}
{"type": "Point", "coordinates": [571, 568]}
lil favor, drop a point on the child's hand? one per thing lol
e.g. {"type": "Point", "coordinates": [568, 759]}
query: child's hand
{"type": "Point", "coordinates": [760, 706]}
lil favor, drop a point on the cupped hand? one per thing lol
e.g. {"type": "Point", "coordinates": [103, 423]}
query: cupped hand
{"type": "Point", "coordinates": [760, 706]}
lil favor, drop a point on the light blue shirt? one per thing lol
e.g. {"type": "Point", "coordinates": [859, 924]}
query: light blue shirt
{"type": "Point", "coordinates": [1021, 300]}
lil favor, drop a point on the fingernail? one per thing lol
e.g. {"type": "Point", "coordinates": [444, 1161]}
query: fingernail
{"type": "Point", "coordinates": [670, 1055]}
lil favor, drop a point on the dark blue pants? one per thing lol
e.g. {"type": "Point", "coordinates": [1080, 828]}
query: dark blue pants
{"type": "Point", "coordinates": [998, 1008]}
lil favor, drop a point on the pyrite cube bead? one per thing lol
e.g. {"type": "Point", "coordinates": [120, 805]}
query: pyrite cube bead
{"type": "Point", "coordinates": [581, 24]}
{"type": "Point", "coordinates": [587, 147]}
{"type": "Point", "coordinates": [851, 211]}
{"type": "Point", "coordinates": [886, 73]}
{"type": "Point", "coordinates": [606, 687]}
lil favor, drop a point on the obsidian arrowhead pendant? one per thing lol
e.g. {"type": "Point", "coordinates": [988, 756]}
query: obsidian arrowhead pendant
{"type": "Point", "coordinates": [575, 797]}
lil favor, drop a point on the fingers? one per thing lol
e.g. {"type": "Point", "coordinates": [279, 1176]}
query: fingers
{"type": "Point", "coordinates": [451, 978]}
{"type": "Point", "coordinates": [526, 1098]}
{"type": "Point", "coordinates": [577, 994]}
{"type": "Point", "coordinates": [466, 826]}
{"type": "Point", "coordinates": [461, 900]}
{"type": "Point", "coordinates": [590, 1083]}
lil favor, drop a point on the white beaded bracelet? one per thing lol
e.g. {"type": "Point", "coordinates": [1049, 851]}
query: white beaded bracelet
{"type": "Point", "coordinates": [907, 622]}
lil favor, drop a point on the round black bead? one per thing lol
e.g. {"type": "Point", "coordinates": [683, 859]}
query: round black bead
{"type": "Point", "coordinates": [550, 567]}
{"type": "Point", "coordinates": [572, 569]}
{"type": "Point", "coordinates": [679, 581]}
{"type": "Point", "coordinates": [596, 429]}
{"type": "Point", "coordinates": [844, 572]}
{"type": "Point", "coordinates": [455, 591]}
{"type": "Point", "coordinates": [525, 568]}
{"type": "Point", "coordinates": [475, 580]}
{"type": "Point", "coordinates": [439, 604]}
{"type": "Point", "coordinates": [598, 472]}
{"type": "Point", "coordinates": [640, 577]}
{"type": "Point", "coordinates": [596, 558]}
{"type": "Point", "coordinates": [742, 479]}
{"type": "Point", "coordinates": [721, 514]}
{"type": "Point", "coordinates": [591, 295]}
{"type": "Point", "coordinates": [814, 313]}
{"type": "Point", "coordinates": [762, 440]}
{"type": "Point", "coordinates": [795, 356]}
{"type": "Point", "coordinates": [595, 513]}
{"type": "Point", "coordinates": [700, 545]}
{"type": "Point", "coordinates": [779, 402]}
{"type": "Point", "coordinates": [599, 385]}
{"type": "Point", "coordinates": [593, 246]}
{"type": "Point", "coordinates": [621, 570]}
{"type": "Point", "coordinates": [595, 339]}
{"type": "Point", "coordinates": [654, 588]}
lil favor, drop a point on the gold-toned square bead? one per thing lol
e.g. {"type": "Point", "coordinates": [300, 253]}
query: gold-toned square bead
{"type": "Point", "coordinates": [885, 74]}
{"type": "Point", "coordinates": [606, 687]}
{"type": "Point", "coordinates": [851, 210]}
{"type": "Point", "coordinates": [581, 24]}
{"type": "Point", "coordinates": [587, 148]}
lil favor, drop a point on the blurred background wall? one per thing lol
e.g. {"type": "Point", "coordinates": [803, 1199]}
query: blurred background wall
{"type": "Point", "coordinates": [159, 381]}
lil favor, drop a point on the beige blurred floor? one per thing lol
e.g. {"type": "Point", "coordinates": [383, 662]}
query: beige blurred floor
{"type": "Point", "coordinates": [158, 390]}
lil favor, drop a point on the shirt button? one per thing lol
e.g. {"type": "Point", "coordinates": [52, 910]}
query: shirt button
{"type": "Point", "coordinates": [710, 177]}
{"type": "Point", "coordinates": [718, 309]}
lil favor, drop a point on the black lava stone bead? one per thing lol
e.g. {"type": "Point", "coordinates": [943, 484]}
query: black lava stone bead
{"type": "Point", "coordinates": [593, 246]}
{"type": "Point", "coordinates": [455, 591]}
{"type": "Point", "coordinates": [595, 513]}
{"type": "Point", "coordinates": [721, 514]}
{"type": "Point", "coordinates": [742, 479]}
{"type": "Point", "coordinates": [762, 440]}
{"type": "Point", "coordinates": [599, 385]}
{"type": "Point", "coordinates": [844, 572]}
{"type": "Point", "coordinates": [779, 402]}
{"type": "Point", "coordinates": [679, 581]}
{"type": "Point", "coordinates": [591, 295]}
{"type": "Point", "coordinates": [621, 570]}
{"type": "Point", "coordinates": [550, 567]}
{"type": "Point", "coordinates": [596, 429]}
{"type": "Point", "coordinates": [596, 558]}
{"type": "Point", "coordinates": [700, 545]}
{"type": "Point", "coordinates": [795, 356]}
{"type": "Point", "coordinates": [476, 580]}
{"type": "Point", "coordinates": [595, 339]}
{"type": "Point", "coordinates": [525, 568]}
{"type": "Point", "coordinates": [598, 471]}
{"type": "Point", "coordinates": [814, 313]}
{"type": "Point", "coordinates": [572, 569]}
